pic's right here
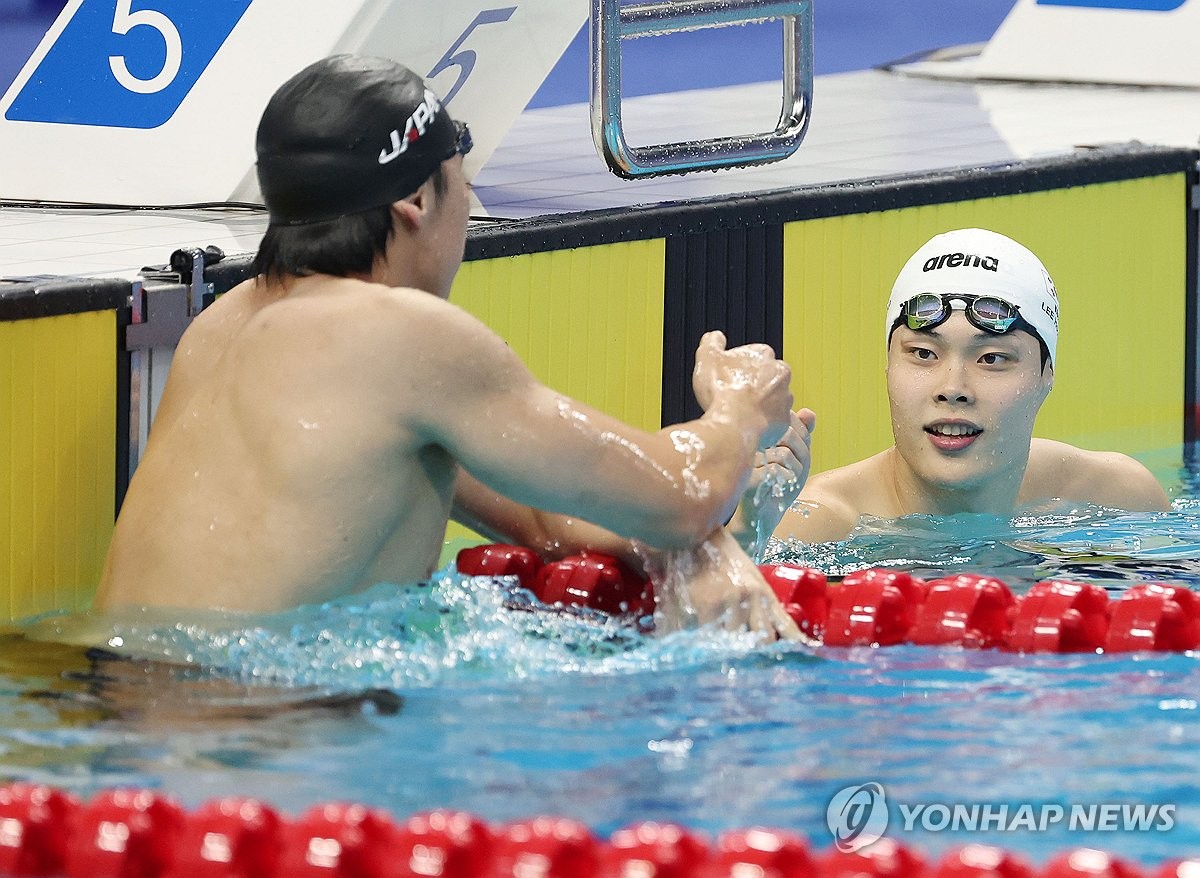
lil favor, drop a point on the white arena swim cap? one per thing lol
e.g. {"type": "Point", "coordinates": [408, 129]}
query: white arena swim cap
{"type": "Point", "coordinates": [979, 262]}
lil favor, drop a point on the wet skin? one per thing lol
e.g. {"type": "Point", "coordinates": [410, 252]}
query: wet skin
{"type": "Point", "coordinates": [316, 434]}
{"type": "Point", "coordinates": [963, 404]}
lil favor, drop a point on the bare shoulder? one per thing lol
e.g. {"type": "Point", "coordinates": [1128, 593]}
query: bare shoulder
{"type": "Point", "coordinates": [833, 501]}
{"type": "Point", "coordinates": [1106, 478]}
{"type": "Point", "coordinates": [213, 328]}
{"type": "Point", "coordinates": [202, 346]}
{"type": "Point", "coordinates": [428, 356]}
{"type": "Point", "coordinates": [422, 319]}
{"type": "Point", "coordinates": [392, 332]}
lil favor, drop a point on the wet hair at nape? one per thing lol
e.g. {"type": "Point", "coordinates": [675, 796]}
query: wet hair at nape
{"type": "Point", "coordinates": [338, 247]}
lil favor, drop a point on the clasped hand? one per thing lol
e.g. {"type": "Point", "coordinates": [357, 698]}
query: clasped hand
{"type": "Point", "coordinates": [747, 375]}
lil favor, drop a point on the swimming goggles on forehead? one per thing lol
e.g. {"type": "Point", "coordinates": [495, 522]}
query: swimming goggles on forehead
{"type": "Point", "coordinates": [462, 140]}
{"type": "Point", "coordinates": [989, 313]}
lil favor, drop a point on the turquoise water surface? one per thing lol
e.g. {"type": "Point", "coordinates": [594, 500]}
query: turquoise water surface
{"type": "Point", "coordinates": [462, 693]}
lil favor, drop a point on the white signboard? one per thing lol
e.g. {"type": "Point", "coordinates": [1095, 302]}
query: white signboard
{"type": "Point", "coordinates": [1134, 42]}
{"type": "Point", "coordinates": [157, 102]}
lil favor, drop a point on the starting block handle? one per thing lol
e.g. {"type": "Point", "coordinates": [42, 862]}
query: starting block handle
{"type": "Point", "coordinates": [611, 23]}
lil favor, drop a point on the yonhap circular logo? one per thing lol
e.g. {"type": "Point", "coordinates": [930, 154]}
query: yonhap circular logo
{"type": "Point", "coordinates": [857, 816]}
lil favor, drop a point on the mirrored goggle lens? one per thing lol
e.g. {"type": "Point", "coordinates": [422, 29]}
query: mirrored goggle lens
{"type": "Point", "coordinates": [921, 312]}
{"type": "Point", "coordinates": [994, 314]}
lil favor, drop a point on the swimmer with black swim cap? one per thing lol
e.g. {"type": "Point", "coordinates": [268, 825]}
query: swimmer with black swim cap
{"type": "Point", "coordinates": [323, 155]}
{"type": "Point", "coordinates": [323, 421]}
{"type": "Point", "coordinates": [337, 144]}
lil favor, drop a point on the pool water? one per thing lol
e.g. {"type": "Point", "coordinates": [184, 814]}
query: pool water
{"type": "Point", "coordinates": [462, 693]}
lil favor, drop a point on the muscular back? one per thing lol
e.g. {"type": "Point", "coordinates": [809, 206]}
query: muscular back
{"type": "Point", "coordinates": [308, 441]}
{"type": "Point", "coordinates": [278, 469]}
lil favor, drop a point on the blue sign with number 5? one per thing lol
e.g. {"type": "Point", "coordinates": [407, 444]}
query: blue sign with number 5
{"type": "Point", "coordinates": [1143, 5]}
{"type": "Point", "coordinates": [126, 64]}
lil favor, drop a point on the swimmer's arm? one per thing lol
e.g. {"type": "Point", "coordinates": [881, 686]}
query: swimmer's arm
{"type": "Point", "coordinates": [668, 489]}
{"type": "Point", "coordinates": [564, 458]}
{"type": "Point", "coordinates": [551, 535]}
{"type": "Point", "coordinates": [716, 583]}
{"type": "Point", "coordinates": [721, 585]}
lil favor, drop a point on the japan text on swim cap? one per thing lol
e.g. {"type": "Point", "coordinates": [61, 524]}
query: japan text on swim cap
{"type": "Point", "coordinates": [980, 262]}
{"type": "Point", "coordinates": [346, 134]}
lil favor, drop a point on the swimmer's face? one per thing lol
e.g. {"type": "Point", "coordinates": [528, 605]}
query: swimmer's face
{"type": "Point", "coordinates": [963, 402]}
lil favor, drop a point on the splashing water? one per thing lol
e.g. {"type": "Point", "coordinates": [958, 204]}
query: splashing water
{"type": "Point", "coordinates": [715, 585]}
{"type": "Point", "coordinates": [455, 629]}
{"type": "Point", "coordinates": [510, 712]}
{"type": "Point", "coordinates": [771, 491]}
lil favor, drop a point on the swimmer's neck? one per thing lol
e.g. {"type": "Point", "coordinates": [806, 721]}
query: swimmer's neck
{"type": "Point", "coordinates": [913, 495]}
{"type": "Point", "coordinates": [405, 263]}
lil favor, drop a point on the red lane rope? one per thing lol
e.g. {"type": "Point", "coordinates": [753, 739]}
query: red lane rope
{"type": "Point", "coordinates": [881, 607]}
{"type": "Point", "coordinates": [143, 834]}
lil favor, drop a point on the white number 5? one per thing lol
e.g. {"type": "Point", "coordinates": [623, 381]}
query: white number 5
{"type": "Point", "coordinates": [123, 22]}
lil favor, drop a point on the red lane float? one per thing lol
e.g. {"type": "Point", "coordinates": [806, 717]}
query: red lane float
{"type": "Point", "coordinates": [982, 861]}
{"type": "Point", "coordinates": [228, 838]}
{"type": "Point", "coordinates": [804, 593]}
{"type": "Point", "coordinates": [873, 608]}
{"type": "Point", "coordinates": [338, 839]}
{"type": "Point", "coordinates": [966, 609]}
{"type": "Point", "coordinates": [547, 847]}
{"type": "Point", "coordinates": [1087, 863]}
{"type": "Point", "coordinates": [122, 833]}
{"type": "Point", "coordinates": [1179, 869]}
{"type": "Point", "coordinates": [1060, 616]}
{"type": "Point", "coordinates": [450, 844]}
{"type": "Point", "coordinates": [500, 560]}
{"type": "Point", "coordinates": [884, 859]}
{"type": "Point", "coordinates": [661, 850]}
{"type": "Point", "coordinates": [143, 834]}
{"type": "Point", "coordinates": [765, 852]}
{"type": "Point", "coordinates": [879, 607]}
{"type": "Point", "coordinates": [1154, 616]}
{"type": "Point", "coordinates": [32, 840]}
{"type": "Point", "coordinates": [600, 582]}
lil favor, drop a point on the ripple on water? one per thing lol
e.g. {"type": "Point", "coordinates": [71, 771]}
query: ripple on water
{"type": "Point", "coordinates": [508, 711]}
{"type": "Point", "coordinates": [453, 630]}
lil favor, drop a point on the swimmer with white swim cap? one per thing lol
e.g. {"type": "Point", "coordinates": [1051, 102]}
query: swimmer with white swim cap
{"type": "Point", "coordinates": [324, 420]}
{"type": "Point", "coordinates": [972, 335]}
{"type": "Point", "coordinates": [998, 284]}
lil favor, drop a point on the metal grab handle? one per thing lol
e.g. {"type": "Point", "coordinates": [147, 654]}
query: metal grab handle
{"type": "Point", "coordinates": [612, 23]}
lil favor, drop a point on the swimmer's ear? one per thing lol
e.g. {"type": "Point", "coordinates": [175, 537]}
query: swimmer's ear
{"type": "Point", "coordinates": [410, 212]}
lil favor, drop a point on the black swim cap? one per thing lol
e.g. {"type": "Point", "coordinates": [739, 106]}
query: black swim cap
{"type": "Point", "coordinates": [346, 134]}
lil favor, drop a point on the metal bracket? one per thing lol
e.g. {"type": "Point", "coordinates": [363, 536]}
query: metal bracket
{"type": "Point", "coordinates": [163, 305]}
{"type": "Point", "coordinates": [161, 313]}
{"type": "Point", "coordinates": [611, 23]}
{"type": "Point", "coordinates": [160, 316]}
